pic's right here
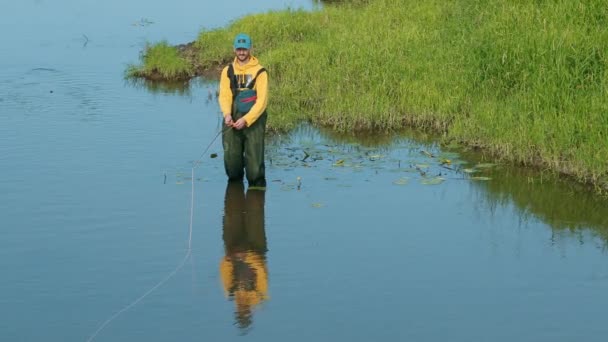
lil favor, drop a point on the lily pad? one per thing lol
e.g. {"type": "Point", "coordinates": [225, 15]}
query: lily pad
{"type": "Point", "coordinates": [401, 181]}
{"type": "Point", "coordinates": [317, 205]}
{"type": "Point", "coordinates": [481, 178]}
{"type": "Point", "coordinates": [432, 181]}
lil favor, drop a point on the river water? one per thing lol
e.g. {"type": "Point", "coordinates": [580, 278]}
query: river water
{"type": "Point", "coordinates": [358, 238]}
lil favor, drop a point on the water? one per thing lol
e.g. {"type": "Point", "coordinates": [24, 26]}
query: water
{"type": "Point", "coordinates": [355, 239]}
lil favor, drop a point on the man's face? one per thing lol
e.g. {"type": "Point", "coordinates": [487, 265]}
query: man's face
{"type": "Point", "coordinates": [242, 54]}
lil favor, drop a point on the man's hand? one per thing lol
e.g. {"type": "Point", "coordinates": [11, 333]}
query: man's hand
{"type": "Point", "coordinates": [240, 124]}
{"type": "Point", "coordinates": [228, 120]}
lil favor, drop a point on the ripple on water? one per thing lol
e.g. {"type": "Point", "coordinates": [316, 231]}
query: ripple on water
{"type": "Point", "coordinates": [46, 91]}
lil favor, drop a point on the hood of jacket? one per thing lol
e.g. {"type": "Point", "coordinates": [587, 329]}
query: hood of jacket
{"type": "Point", "coordinates": [253, 63]}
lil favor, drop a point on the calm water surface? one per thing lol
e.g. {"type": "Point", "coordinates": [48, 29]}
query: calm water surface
{"type": "Point", "coordinates": [356, 239]}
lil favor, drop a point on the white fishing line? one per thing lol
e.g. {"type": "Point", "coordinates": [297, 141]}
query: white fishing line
{"type": "Point", "coordinates": [191, 212]}
{"type": "Point", "coordinates": [179, 266]}
{"type": "Point", "coordinates": [126, 308]}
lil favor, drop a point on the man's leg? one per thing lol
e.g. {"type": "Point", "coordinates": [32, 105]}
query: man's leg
{"type": "Point", "coordinates": [232, 140]}
{"type": "Point", "coordinates": [254, 152]}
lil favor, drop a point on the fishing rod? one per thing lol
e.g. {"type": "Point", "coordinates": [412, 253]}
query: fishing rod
{"type": "Point", "coordinates": [197, 162]}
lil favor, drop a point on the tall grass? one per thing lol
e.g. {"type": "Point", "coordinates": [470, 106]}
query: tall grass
{"type": "Point", "coordinates": [539, 76]}
{"type": "Point", "coordinates": [526, 80]}
{"type": "Point", "coordinates": [162, 62]}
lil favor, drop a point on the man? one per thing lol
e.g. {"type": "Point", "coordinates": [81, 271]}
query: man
{"type": "Point", "coordinates": [244, 129]}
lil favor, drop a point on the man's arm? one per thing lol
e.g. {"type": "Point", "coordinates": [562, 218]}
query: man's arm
{"type": "Point", "coordinates": [225, 97]}
{"type": "Point", "coordinates": [261, 88]}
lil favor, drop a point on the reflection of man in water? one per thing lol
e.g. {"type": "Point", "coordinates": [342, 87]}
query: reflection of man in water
{"type": "Point", "coordinates": [243, 269]}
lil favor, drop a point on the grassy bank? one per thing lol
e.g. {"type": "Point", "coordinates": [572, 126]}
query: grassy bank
{"type": "Point", "coordinates": [525, 80]}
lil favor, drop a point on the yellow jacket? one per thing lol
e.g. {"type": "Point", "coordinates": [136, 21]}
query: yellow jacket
{"type": "Point", "coordinates": [244, 74]}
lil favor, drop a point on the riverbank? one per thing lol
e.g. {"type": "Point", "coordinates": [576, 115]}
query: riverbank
{"type": "Point", "coordinates": [527, 82]}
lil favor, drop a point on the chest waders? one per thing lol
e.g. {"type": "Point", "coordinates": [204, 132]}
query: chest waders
{"type": "Point", "coordinates": [244, 149]}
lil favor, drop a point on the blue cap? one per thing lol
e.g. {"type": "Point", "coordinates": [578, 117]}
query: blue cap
{"type": "Point", "coordinates": [242, 41]}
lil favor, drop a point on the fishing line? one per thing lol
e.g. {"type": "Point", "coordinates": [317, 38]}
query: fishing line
{"type": "Point", "coordinates": [181, 264]}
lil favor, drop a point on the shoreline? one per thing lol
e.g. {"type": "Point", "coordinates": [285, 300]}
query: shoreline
{"type": "Point", "coordinates": [517, 97]}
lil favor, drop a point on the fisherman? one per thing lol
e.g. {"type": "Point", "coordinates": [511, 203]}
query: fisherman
{"type": "Point", "coordinates": [243, 98]}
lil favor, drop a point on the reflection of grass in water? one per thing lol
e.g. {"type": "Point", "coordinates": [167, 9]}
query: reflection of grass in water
{"type": "Point", "coordinates": [562, 205]}
{"type": "Point", "coordinates": [181, 88]}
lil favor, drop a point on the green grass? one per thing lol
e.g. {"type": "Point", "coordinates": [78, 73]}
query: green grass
{"type": "Point", "coordinates": [162, 62]}
{"type": "Point", "coordinates": [526, 80]}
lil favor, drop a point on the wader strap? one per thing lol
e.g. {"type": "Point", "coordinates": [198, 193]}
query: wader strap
{"type": "Point", "coordinates": [233, 83]}
{"type": "Point", "coordinates": [232, 79]}
{"type": "Point", "coordinates": [252, 84]}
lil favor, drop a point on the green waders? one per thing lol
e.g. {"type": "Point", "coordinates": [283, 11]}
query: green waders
{"type": "Point", "coordinates": [244, 149]}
